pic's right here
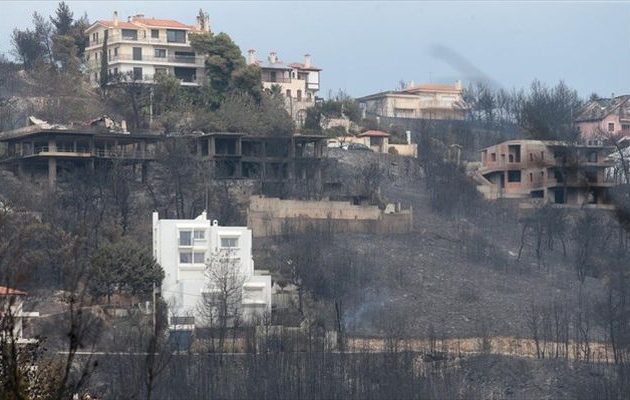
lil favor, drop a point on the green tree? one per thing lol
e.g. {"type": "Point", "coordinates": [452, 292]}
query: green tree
{"type": "Point", "coordinates": [62, 20]}
{"type": "Point", "coordinates": [27, 48]}
{"type": "Point", "coordinates": [124, 267]}
{"type": "Point", "coordinates": [65, 52]}
{"type": "Point", "coordinates": [104, 64]}
{"type": "Point", "coordinates": [248, 80]}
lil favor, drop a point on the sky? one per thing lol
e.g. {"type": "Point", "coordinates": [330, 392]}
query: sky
{"type": "Point", "coordinates": [369, 46]}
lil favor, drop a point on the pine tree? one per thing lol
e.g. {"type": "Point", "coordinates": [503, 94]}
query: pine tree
{"type": "Point", "coordinates": [63, 20]}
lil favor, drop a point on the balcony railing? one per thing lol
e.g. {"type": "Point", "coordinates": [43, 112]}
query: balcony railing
{"type": "Point", "coordinates": [169, 59]}
{"type": "Point", "coordinates": [82, 151]}
{"type": "Point", "coordinates": [276, 80]}
{"type": "Point", "coordinates": [149, 40]}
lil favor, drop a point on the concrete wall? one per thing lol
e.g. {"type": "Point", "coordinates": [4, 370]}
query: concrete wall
{"type": "Point", "coordinates": [268, 216]}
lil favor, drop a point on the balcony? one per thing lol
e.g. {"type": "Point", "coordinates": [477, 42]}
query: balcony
{"type": "Point", "coordinates": [80, 152]}
{"type": "Point", "coordinates": [147, 40]}
{"type": "Point", "coordinates": [276, 80]}
{"type": "Point", "coordinates": [172, 59]}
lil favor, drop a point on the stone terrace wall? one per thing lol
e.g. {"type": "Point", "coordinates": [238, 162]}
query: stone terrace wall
{"type": "Point", "coordinates": [269, 216]}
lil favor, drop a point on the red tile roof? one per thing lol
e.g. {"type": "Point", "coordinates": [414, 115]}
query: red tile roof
{"type": "Point", "coordinates": [7, 291]}
{"type": "Point", "coordinates": [374, 134]}
{"type": "Point", "coordinates": [121, 24]}
{"type": "Point", "coordinates": [162, 23]}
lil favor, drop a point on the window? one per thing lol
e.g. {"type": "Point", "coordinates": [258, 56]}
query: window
{"type": "Point", "coordinates": [109, 54]}
{"type": "Point", "coordinates": [299, 95]}
{"type": "Point", "coordinates": [185, 257]}
{"type": "Point", "coordinates": [160, 53]}
{"type": "Point", "coordinates": [611, 127]}
{"type": "Point", "coordinates": [129, 34]}
{"type": "Point", "coordinates": [493, 156]}
{"type": "Point", "coordinates": [115, 51]}
{"type": "Point", "coordinates": [531, 177]}
{"type": "Point", "coordinates": [531, 157]}
{"type": "Point", "coordinates": [288, 93]}
{"type": "Point", "coordinates": [175, 36]}
{"type": "Point", "coordinates": [199, 235]}
{"type": "Point", "coordinates": [185, 238]}
{"type": "Point", "coordinates": [229, 242]}
{"type": "Point", "coordinates": [161, 71]}
{"type": "Point", "coordinates": [514, 176]}
{"type": "Point", "coordinates": [137, 74]}
{"type": "Point", "coordinates": [116, 71]}
{"type": "Point", "coordinates": [542, 155]}
{"type": "Point", "coordinates": [199, 257]}
{"type": "Point", "coordinates": [592, 157]}
{"type": "Point", "coordinates": [137, 53]}
{"type": "Point", "coordinates": [625, 127]}
{"type": "Point", "coordinates": [155, 34]}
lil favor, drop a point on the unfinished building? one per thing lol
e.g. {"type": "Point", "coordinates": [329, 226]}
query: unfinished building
{"type": "Point", "coordinates": [275, 161]}
{"type": "Point", "coordinates": [54, 149]}
{"type": "Point", "coordinates": [548, 171]}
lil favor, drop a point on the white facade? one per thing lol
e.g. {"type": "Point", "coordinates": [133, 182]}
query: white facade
{"type": "Point", "coordinates": [187, 248]}
{"type": "Point", "coordinates": [143, 47]}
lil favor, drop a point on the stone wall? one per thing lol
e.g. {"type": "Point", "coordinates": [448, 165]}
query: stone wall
{"type": "Point", "coordinates": [269, 216]}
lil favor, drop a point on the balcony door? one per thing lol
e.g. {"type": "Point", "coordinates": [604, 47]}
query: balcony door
{"type": "Point", "coordinates": [137, 53]}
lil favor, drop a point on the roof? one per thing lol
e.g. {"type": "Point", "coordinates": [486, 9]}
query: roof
{"type": "Point", "coordinates": [439, 87]}
{"type": "Point", "coordinates": [7, 291]}
{"type": "Point", "coordinates": [301, 66]}
{"type": "Point", "coordinates": [139, 23]}
{"type": "Point", "coordinates": [373, 134]}
{"type": "Point", "coordinates": [276, 65]}
{"type": "Point", "coordinates": [121, 24]}
{"type": "Point", "coordinates": [598, 109]}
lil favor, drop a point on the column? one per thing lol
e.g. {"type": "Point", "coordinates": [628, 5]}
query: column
{"type": "Point", "coordinates": [52, 172]}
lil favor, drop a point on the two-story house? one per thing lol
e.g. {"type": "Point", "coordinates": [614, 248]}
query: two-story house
{"type": "Point", "coordinates": [553, 171]}
{"type": "Point", "coordinates": [189, 250]}
{"type": "Point", "coordinates": [604, 117]}
{"type": "Point", "coordinates": [424, 101]}
{"type": "Point", "coordinates": [141, 47]}
{"type": "Point", "coordinates": [298, 82]}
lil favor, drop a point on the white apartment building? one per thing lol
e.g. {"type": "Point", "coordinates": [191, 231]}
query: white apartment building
{"type": "Point", "coordinates": [299, 82]}
{"type": "Point", "coordinates": [187, 248]}
{"type": "Point", "coordinates": [143, 47]}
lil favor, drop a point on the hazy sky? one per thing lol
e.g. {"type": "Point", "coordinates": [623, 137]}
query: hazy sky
{"type": "Point", "coordinates": [368, 46]}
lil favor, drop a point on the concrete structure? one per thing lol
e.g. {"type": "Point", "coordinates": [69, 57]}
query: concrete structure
{"type": "Point", "coordinates": [186, 249]}
{"type": "Point", "coordinates": [55, 148]}
{"type": "Point", "coordinates": [12, 306]}
{"type": "Point", "coordinates": [269, 216]}
{"type": "Point", "coordinates": [142, 47]}
{"type": "Point", "coordinates": [550, 171]}
{"type": "Point", "coordinates": [604, 117]}
{"type": "Point", "coordinates": [298, 82]}
{"type": "Point", "coordinates": [426, 101]}
{"type": "Point", "coordinates": [378, 141]}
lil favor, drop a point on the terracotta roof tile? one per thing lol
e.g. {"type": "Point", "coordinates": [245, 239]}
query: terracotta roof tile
{"type": "Point", "coordinates": [162, 23]}
{"type": "Point", "coordinates": [7, 291]}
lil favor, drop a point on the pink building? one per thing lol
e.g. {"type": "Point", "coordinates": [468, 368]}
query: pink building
{"type": "Point", "coordinates": [552, 171]}
{"type": "Point", "coordinates": [603, 117]}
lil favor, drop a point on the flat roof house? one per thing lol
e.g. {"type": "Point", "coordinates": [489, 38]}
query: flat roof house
{"type": "Point", "coordinates": [189, 250]}
{"type": "Point", "coordinates": [142, 47]}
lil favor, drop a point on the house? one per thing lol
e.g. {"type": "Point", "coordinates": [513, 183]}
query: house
{"type": "Point", "coordinates": [424, 101]}
{"type": "Point", "coordinates": [604, 117]}
{"type": "Point", "coordinates": [298, 82]}
{"type": "Point", "coordinates": [188, 249]}
{"type": "Point", "coordinates": [143, 47]}
{"type": "Point", "coordinates": [54, 149]}
{"type": "Point", "coordinates": [551, 171]}
{"type": "Point", "coordinates": [12, 305]}
{"type": "Point", "coordinates": [378, 141]}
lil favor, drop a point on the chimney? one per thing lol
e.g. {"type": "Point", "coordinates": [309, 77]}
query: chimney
{"type": "Point", "coordinates": [307, 61]}
{"type": "Point", "coordinates": [116, 18]}
{"type": "Point", "coordinates": [273, 57]}
{"type": "Point", "coordinates": [251, 56]}
{"type": "Point", "coordinates": [136, 17]}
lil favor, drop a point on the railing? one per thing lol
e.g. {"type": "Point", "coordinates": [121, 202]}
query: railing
{"type": "Point", "coordinates": [169, 59]}
{"type": "Point", "coordinates": [83, 151]}
{"type": "Point", "coordinates": [276, 80]}
{"type": "Point", "coordinates": [149, 40]}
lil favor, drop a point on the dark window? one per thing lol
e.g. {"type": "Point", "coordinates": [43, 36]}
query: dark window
{"type": "Point", "coordinates": [185, 56]}
{"type": "Point", "coordinates": [299, 95]}
{"type": "Point", "coordinates": [160, 53]}
{"type": "Point", "coordinates": [531, 157]}
{"type": "Point", "coordinates": [493, 156]}
{"type": "Point", "coordinates": [175, 36]}
{"type": "Point", "coordinates": [137, 53]}
{"type": "Point", "coordinates": [592, 157]}
{"type": "Point", "coordinates": [115, 51]}
{"type": "Point", "coordinates": [531, 177]}
{"type": "Point", "coordinates": [137, 74]}
{"type": "Point", "coordinates": [558, 176]}
{"type": "Point", "coordinates": [538, 194]}
{"type": "Point", "coordinates": [155, 34]}
{"type": "Point", "coordinates": [514, 176]}
{"type": "Point", "coordinates": [130, 34]}
{"type": "Point", "coordinates": [288, 93]}
{"type": "Point", "coordinates": [611, 127]}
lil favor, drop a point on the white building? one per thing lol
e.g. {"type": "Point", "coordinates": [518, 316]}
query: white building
{"type": "Point", "coordinates": [186, 249]}
{"type": "Point", "coordinates": [142, 47]}
{"type": "Point", "coordinates": [12, 306]}
{"type": "Point", "coordinates": [298, 82]}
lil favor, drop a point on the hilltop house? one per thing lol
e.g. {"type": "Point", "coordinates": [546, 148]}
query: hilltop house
{"type": "Point", "coordinates": [602, 117]}
{"type": "Point", "coordinates": [424, 101]}
{"type": "Point", "coordinates": [298, 82]}
{"type": "Point", "coordinates": [187, 250]}
{"type": "Point", "coordinates": [142, 47]}
{"type": "Point", "coordinates": [553, 171]}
